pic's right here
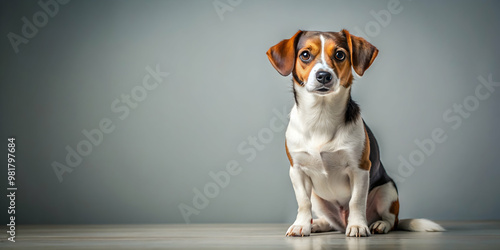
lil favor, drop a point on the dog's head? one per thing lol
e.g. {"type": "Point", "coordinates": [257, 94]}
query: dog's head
{"type": "Point", "coordinates": [321, 62]}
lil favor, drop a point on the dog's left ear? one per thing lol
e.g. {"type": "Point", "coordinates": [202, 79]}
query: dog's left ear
{"type": "Point", "coordinates": [362, 52]}
{"type": "Point", "coordinates": [282, 55]}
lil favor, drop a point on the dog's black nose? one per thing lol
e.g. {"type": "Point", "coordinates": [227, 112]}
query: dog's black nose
{"type": "Point", "coordinates": [323, 77]}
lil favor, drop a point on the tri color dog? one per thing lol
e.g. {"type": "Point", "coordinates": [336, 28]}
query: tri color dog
{"type": "Point", "coordinates": [335, 165]}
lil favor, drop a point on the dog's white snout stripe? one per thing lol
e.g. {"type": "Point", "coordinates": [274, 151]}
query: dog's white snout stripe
{"type": "Point", "coordinates": [323, 61]}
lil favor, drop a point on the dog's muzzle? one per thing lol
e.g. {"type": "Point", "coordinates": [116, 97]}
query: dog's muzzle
{"type": "Point", "coordinates": [326, 81]}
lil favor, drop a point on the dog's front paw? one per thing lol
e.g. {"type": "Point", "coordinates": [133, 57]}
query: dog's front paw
{"type": "Point", "coordinates": [299, 230]}
{"type": "Point", "coordinates": [357, 230]}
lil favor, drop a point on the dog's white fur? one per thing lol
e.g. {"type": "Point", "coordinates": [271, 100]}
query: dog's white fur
{"type": "Point", "coordinates": [326, 154]}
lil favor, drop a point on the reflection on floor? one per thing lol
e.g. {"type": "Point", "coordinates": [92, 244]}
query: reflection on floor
{"type": "Point", "coordinates": [460, 235]}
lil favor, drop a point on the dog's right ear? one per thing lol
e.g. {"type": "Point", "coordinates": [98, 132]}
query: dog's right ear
{"type": "Point", "coordinates": [282, 55]}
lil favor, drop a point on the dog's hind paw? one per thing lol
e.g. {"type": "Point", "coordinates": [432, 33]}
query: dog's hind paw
{"type": "Point", "coordinates": [380, 227]}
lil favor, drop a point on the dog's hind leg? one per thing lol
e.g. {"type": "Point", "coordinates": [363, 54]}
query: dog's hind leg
{"type": "Point", "coordinates": [329, 216]}
{"type": "Point", "coordinates": [383, 208]}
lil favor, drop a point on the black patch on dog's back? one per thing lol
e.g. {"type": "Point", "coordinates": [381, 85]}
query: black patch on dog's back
{"type": "Point", "coordinates": [352, 111]}
{"type": "Point", "coordinates": [378, 175]}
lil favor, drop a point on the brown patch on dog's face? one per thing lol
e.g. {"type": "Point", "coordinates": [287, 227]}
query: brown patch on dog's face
{"type": "Point", "coordinates": [308, 49]}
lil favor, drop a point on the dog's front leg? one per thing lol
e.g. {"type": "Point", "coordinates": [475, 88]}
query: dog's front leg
{"type": "Point", "coordinates": [303, 187]}
{"type": "Point", "coordinates": [357, 225]}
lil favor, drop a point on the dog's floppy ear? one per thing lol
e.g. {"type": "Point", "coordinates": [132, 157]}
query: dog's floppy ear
{"type": "Point", "coordinates": [282, 55]}
{"type": "Point", "coordinates": [362, 52]}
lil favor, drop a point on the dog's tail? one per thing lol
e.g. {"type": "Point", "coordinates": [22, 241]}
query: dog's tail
{"type": "Point", "coordinates": [419, 225]}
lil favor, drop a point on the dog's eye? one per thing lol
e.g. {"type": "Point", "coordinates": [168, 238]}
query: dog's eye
{"type": "Point", "coordinates": [339, 55]}
{"type": "Point", "coordinates": [305, 56]}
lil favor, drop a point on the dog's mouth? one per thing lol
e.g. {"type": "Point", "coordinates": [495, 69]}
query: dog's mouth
{"type": "Point", "coordinates": [322, 90]}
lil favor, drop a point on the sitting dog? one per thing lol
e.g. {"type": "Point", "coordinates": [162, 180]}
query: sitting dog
{"type": "Point", "coordinates": [334, 158]}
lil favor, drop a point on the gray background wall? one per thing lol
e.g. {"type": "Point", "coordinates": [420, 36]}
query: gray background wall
{"type": "Point", "coordinates": [221, 90]}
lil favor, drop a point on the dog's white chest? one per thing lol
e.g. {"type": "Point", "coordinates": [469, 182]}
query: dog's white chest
{"type": "Point", "coordinates": [326, 164]}
{"type": "Point", "coordinates": [326, 156]}
{"type": "Point", "coordinates": [328, 172]}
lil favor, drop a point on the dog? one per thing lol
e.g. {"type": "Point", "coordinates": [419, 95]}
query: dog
{"type": "Point", "coordinates": [335, 165]}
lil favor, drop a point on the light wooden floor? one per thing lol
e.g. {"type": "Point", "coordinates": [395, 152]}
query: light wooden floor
{"type": "Point", "coordinates": [460, 235]}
